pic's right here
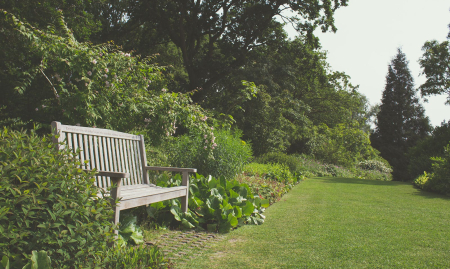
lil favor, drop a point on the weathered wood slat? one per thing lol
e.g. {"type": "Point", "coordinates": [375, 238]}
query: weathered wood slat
{"type": "Point", "coordinates": [96, 132]}
{"type": "Point", "coordinates": [135, 202]}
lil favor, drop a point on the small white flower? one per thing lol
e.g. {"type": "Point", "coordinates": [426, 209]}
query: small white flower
{"type": "Point", "coordinates": [94, 61]}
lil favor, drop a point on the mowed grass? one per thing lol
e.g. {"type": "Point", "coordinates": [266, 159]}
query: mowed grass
{"type": "Point", "coordinates": [341, 223]}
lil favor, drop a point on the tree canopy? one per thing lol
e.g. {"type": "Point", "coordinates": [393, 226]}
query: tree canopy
{"type": "Point", "coordinates": [214, 37]}
{"type": "Point", "coordinates": [435, 63]}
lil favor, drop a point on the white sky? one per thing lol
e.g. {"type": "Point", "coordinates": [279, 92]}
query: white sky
{"type": "Point", "coordinates": [369, 33]}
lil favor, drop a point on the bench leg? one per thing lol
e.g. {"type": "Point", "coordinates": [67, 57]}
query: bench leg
{"type": "Point", "coordinates": [184, 199]}
{"type": "Point", "coordinates": [116, 218]}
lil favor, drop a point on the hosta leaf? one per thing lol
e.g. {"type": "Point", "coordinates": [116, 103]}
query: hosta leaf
{"type": "Point", "coordinates": [212, 183]}
{"type": "Point", "coordinates": [176, 212]}
{"type": "Point", "coordinates": [248, 208]}
{"type": "Point", "coordinates": [187, 224]}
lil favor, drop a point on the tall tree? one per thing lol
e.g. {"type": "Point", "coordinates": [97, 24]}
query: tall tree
{"type": "Point", "coordinates": [215, 37]}
{"type": "Point", "coordinates": [400, 121]}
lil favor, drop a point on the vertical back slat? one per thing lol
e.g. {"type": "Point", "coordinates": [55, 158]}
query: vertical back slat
{"type": "Point", "coordinates": [143, 161]}
{"type": "Point", "coordinates": [69, 141]}
{"type": "Point", "coordinates": [101, 159]}
{"type": "Point", "coordinates": [137, 156]}
{"type": "Point", "coordinates": [123, 143]}
{"type": "Point", "coordinates": [109, 151]}
{"type": "Point", "coordinates": [105, 159]}
{"type": "Point", "coordinates": [114, 155]}
{"type": "Point", "coordinates": [97, 160]}
{"type": "Point", "coordinates": [131, 160]}
{"type": "Point", "coordinates": [90, 145]}
{"type": "Point", "coordinates": [82, 151]}
{"type": "Point", "coordinates": [76, 147]}
{"type": "Point", "coordinates": [87, 152]}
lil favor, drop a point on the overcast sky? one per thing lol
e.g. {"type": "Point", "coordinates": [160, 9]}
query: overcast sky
{"type": "Point", "coordinates": [369, 33]}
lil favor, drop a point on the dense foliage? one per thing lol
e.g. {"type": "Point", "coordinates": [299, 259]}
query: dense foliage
{"type": "Point", "coordinates": [439, 178]}
{"type": "Point", "coordinates": [341, 145]}
{"type": "Point", "coordinates": [229, 153]}
{"type": "Point", "coordinates": [79, 83]}
{"type": "Point", "coordinates": [214, 38]}
{"type": "Point", "coordinates": [431, 146]}
{"type": "Point", "coordinates": [216, 205]}
{"type": "Point", "coordinates": [401, 122]}
{"type": "Point", "coordinates": [48, 203]}
{"type": "Point", "coordinates": [435, 63]}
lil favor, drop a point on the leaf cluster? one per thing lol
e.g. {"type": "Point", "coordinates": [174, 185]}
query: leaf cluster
{"type": "Point", "coordinates": [216, 205]}
{"type": "Point", "coordinates": [47, 202]}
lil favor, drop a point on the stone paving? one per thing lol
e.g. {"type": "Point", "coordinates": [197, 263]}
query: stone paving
{"type": "Point", "coordinates": [180, 247]}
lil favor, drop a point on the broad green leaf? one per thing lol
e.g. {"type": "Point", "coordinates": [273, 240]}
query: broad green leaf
{"type": "Point", "coordinates": [176, 212]}
{"type": "Point", "coordinates": [4, 263]}
{"type": "Point", "coordinates": [248, 208]}
{"type": "Point", "coordinates": [233, 220]}
{"type": "Point", "coordinates": [212, 183]}
{"type": "Point", "coordinates": [233, 194]}
{"type": "Point", "coordinates": [187, 224]}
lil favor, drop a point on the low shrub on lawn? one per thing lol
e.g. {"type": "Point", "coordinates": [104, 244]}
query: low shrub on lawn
{"type": "Point", "coordinates": [273, 171]}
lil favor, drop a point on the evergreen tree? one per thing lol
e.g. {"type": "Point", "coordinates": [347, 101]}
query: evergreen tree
{"type": "Point", "coordinates": [401, 121]}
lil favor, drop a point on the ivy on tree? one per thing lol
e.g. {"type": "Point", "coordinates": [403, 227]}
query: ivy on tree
{"type": "Point", "coordinates": [401, 121]}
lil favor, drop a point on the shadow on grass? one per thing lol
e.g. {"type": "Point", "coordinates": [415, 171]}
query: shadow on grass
{"type": "Point", "coordinates": [417, 192]}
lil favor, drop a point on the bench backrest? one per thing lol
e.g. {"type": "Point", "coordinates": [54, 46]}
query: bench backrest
{"type": "Point", "coordinates": [105, 150]}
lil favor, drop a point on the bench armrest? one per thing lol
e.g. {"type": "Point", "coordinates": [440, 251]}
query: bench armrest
{"type": "Point", "coordinates": [170, 169]}
{"type": "Point", "coordinates": [110, 174]}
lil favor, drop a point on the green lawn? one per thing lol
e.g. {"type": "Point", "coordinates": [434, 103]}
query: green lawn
{"type": "Point", "coordinates": [341, 223]}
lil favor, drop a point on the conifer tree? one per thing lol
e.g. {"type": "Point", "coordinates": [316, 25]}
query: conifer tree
{"type": "Point", "coordinates": [401, 121]}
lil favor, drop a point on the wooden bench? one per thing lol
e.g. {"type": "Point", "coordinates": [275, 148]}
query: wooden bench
{"type": "Point", "coordinates": [120, 159]}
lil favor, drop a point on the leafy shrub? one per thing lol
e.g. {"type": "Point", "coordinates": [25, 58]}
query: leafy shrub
{"type": "Point", "coordinates": [422, 181]}
{"type": "Point", "coordinates": [432, 146]}
{"type": "Point", "coordinates": [274, 171]}
{"type": "Point", "coordinates": [39, 260]}
{"type": "Point", "coordinates": [439, 180]}
{"type": "Point", "coordinates": [375, 165]}
{"type": "Point", "coordinates": [282, 158]}
{"type": "Point", "coordinates": [129, 232]}
{"type": "Point", "coordinates": [216, 205]}
{"type": "Point", "coordinates": [341, 145]}
{"type": "Point", "coordinates": [229, 153]}
{"type": "Point", "coordinates": [47, 202]}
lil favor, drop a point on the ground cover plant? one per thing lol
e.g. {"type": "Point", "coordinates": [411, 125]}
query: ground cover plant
{"type": "Point", "coordinates": [215, 205]}
{"type": "Point", "coordinates": [333, 222]}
